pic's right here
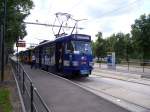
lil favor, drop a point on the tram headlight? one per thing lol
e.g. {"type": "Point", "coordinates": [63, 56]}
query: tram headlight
{"type": "Point", "coordinates": [66, 63]}
{"type": "Point", "coordinates": [91, 63]}
{"type": "Point", "coordinates": [75, 63]}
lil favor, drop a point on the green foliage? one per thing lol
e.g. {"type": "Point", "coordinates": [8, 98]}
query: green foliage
{"type": "Point", "coordinates": [127, 46]}
{"type": "Point", "coordinates": [99, 46]}
{"type": "Point", "coordinates": [141, 36]}
{"type": "Point", "coordinates": [17, 11]}
{"type": "Point", "coordinates": [119, 43]}
{"type": "Point", "coordinates": [111, 41]}
{"type": "Point", "coordinates": [4, 100]}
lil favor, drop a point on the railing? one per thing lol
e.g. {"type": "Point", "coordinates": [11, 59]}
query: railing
{"type": "Point", "coordinates": [130, 66]}
{"type": "Point", "coordinates": [31, 98]}
{"type": "Point", "coordinates": [136, 66]}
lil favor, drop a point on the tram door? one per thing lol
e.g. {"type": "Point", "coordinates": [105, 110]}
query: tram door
{"type": "Point", "coordinates": [40, 57]}
{"type": "Point", "coordinates": [59, 56]}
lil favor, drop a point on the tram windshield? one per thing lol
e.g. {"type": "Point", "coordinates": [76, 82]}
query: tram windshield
{"type": "Point", "coordinates": [82, 47]}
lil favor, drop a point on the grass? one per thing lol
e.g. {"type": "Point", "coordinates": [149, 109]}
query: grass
{"type": "Point", "coordinates": [5, 100]}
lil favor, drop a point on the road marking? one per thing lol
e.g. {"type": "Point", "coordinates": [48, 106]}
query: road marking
{"type": "Point", "coordinates": [118, 100]}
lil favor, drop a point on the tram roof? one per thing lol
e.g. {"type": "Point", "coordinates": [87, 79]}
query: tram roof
{"type": "Point", "coordinates": [74, 37]}
{"type": "Point", "coordinates": [79, 37]}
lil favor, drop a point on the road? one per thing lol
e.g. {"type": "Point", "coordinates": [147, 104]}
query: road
{"type": "Point", "coordinates": [133, 96]}
{"type": "Point", "coordinates": [130, 95]}
{"type": "Point", "coordinates": [62, 95]}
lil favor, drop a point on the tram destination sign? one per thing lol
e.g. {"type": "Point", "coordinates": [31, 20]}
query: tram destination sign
{"type": "Point", "coordinates": [83, 37]}
{"type": "Point", "coordinates": [21, 44]}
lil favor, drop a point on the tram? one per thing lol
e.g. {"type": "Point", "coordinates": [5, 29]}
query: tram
{"type": "Point", "coordinates": [68, 55]}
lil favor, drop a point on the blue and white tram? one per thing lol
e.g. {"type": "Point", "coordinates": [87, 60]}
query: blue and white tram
{"type": "Point", "coordinates": [68, 55]}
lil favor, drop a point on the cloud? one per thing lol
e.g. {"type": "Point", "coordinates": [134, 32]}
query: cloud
{"type": "Point", "coordinates": [115, 8]}
{"type": "Point", "coordinates": [102, 15]}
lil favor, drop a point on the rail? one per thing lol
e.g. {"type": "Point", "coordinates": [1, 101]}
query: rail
{"type": "Point", "coordinates": [130, 66]}
{"type": "Point", "coordinates": [33, 102]}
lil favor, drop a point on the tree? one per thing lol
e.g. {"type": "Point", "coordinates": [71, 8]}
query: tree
{"type": "Point", "coordinates": [99, 46]}
{"type": "Point", "coordinates": [93, 47]}
{"type": "Point", "coordinates": [120, 46]}
{"type": "Point", "coordinates": [119, 43]}
{"type": "Point", "coordinates": [141, 36]}
{"type": "Point", "coordinates": [128, 45]}
{"type": "Point", "coordinates": [17, 11]}
{"type": "Point", "coordinates": [111, 41]}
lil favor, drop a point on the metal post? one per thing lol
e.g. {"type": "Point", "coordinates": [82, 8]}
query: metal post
{"type": "Point", "coordinates": [23, 86]}
{"type": "Point", "coordinates": [99, 65]}
{"type": "Point", "coordinates": [0, 47]}
{"type": "Point", "coordinates": [17, 59]}
{"type": "Point", "coordinates": [2, 54]}
{"type": "Point", "coordinates": [31, 94]}
{"type": "Point", "coordinates": [128, 66]}
{"type": "Point", "coordinates": [3, 32]}
{"type": "Point", "coordinates": [143, 66]}
{"type": "Point", "coordinates": [18, 71]}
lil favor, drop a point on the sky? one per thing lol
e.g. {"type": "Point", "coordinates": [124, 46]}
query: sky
{"type": "Point", "coordinates": [106, 16]}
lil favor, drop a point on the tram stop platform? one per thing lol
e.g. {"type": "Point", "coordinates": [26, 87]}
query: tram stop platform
{"type": "Point", "coordinates": [62, 95]}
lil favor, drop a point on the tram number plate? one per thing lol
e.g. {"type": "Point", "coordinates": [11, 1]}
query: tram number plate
{"type": "Point", "coordinates": [84, 71]}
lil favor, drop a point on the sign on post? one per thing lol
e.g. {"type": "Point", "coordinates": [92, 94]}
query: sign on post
{"type": "Point", "coordinates": [111, 60]}
{"type": "Point", "coordinates": [21, 43]}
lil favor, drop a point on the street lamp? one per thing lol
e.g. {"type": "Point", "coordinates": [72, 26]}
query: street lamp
{"type": "Point", "coordinates": [3, 34]}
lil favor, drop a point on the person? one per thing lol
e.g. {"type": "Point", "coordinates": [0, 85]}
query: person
{"type": "Point", "coordinates": [33, 61]}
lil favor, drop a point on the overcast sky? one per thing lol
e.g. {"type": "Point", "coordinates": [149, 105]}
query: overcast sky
{"type": "Point", "coordinates": [107, 16]}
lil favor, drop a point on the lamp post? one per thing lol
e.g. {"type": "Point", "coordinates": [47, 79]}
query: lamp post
{"type": "Point", "coordinates": [17, 58]}
{"type": "Point", "coordinates": [3, 34]}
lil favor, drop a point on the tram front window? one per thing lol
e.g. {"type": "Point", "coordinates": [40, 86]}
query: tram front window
{"type": "Point", "coordinates": [69, 47]}
{"type": "Point", "coordinates": [82, 47]}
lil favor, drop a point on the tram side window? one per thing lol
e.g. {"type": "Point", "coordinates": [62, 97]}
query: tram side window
{"type": "Point", "coordinates": [52, 55]}
{"type": "Point", "coordinates": [69, 47]}
{"type": "Point", "coordinates": [52, 50]}
{"type": "Point", "coordinates": [43, 51]}
{"type": "Point", "coordinates": [37, 53]}
{"type": "Point", "coordinates": [46, 50]}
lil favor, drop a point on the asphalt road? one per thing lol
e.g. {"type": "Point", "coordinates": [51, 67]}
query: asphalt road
{"type": "Point", "coordinates": [63, 96]}
{"type": "Point", "coordinates": [134, 93]}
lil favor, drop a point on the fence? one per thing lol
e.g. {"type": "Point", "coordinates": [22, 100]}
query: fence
{"type": "Point", "coordinates": [130, 66]}
{"type": "Point", "coordinates": [31, 98]}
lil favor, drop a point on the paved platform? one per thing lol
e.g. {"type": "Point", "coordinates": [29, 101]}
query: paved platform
{"type": "Point", "coordinates": [130, 77]}
{"type": "Point", "coordinates": [137, 71]}
{"type": "Point", "coordinates": [64, 96]}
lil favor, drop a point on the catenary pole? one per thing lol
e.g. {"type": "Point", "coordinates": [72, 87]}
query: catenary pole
{"type": "Point", "coordinates": [2, 57]}
{"type": "Point", "coordinates": [3, 34]}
